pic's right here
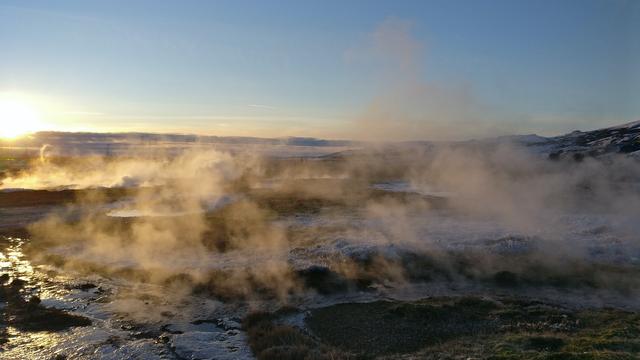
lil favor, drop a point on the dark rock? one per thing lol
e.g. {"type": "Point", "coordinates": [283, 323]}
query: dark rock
{"type": "Point", "coordinates": [578, 157]}
{"type": "Point", "coordinates": [166, 328]}
{"type": "Point", "coordinates": [18, 283]}
{"type": "Point", "coordinates": [323, 280]}
{"type": "Point", "coordinates": [86, 286]}
{"type": "Point", "coordinates": [506, 279]}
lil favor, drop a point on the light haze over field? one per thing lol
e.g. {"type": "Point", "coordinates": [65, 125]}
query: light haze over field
{"type": "Point", "coordinates": [393, 70]}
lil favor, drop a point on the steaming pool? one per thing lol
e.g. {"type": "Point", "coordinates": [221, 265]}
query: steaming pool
{"type": "Point", "coordinates": [161, 282]}
{"type": "Point", "coordinates": [126, 210]}
{"type": "Point", "coordinates": [133, 319]}
{"type": "Point", "coordinates": [137, 319]}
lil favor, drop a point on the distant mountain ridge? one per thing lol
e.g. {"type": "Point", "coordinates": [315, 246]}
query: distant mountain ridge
{"type": "Point", "coordinates": [619, 139]}
{"type": "Point", "coordinates": [141, 138]}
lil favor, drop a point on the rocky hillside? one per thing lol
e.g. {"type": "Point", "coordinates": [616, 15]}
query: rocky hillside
{"type": "Point", "coordinates": [623, 139]}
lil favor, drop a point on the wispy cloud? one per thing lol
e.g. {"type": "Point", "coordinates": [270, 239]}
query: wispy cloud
{"type": "Point", "coordinates": [266, 107]}
{"type": "Point", "coordinates": [86, 113]}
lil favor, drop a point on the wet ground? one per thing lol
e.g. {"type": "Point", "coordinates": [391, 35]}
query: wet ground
{"type": "Point", "coordinates": [341, 287]}
{"type": "Point", "coordinates": [50, 315]}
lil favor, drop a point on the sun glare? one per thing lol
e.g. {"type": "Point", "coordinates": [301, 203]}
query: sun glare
{"type": "Point", "coordinates": [17, 119]}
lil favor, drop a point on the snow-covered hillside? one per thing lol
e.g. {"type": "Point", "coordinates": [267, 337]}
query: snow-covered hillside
{"type": "Point", "coordinates": [624, 139]}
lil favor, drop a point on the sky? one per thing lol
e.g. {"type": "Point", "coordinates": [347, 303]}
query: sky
{"type": "Point", "coordinates": [404, 70]}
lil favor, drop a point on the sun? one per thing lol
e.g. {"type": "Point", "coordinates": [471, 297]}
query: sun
{"type": "Point", "coordinates": [18, 118]}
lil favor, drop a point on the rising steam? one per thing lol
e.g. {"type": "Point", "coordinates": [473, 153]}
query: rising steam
{"type": "Point", "coordinates": [241, 225]}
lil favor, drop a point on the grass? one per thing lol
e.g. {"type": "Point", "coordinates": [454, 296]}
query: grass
{"type": "Point", "coordinates": [270, 340]}
{"type": "Point", "coordinates": [386, 327]}
{"type": "Point", "coordinates": [440, 328]}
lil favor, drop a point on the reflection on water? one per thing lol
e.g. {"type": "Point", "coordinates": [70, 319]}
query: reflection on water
{"type": "Point", "coordinates": [13, 261]}
{"type": "Point", "coordinates": [30, 345]}
{"type": "Point", "coordinates": [128, 319]}
{"type": "Point", "coordinates": [16, 268]}
{"type": "Point", "coordinates": [129, 210]}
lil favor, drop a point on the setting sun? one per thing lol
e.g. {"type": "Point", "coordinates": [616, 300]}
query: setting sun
{"type": "Point", "coordinates": [17, 119]}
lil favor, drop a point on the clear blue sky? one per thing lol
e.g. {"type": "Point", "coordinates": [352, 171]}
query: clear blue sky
{"type": "Point", "coordinates": [269, 68]}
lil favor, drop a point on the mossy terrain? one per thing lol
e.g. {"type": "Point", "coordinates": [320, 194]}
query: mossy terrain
{"type": "Point", "coordinates": [449, 328]}
{"type": "Point", "coordinates": [272, 340]}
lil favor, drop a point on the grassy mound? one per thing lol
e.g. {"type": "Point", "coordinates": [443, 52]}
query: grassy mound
{"type": "Point", "coordinates": [478, 328]}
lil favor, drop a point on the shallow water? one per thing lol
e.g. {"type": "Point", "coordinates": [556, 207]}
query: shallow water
{"type": "Point", "coordinates": [129, 320]}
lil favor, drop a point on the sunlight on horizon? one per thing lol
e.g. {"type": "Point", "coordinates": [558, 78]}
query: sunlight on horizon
{"type": "Point", "coordinates": [18, 118]}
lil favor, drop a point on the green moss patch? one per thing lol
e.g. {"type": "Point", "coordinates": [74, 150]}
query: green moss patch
{"type": "Point", "coordinates": [479, 328]}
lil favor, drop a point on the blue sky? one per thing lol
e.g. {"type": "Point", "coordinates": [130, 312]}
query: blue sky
{"type": "Point", "coordinates": [312, 68]}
